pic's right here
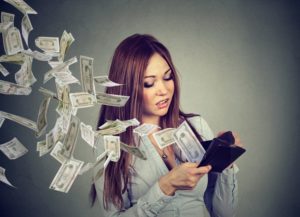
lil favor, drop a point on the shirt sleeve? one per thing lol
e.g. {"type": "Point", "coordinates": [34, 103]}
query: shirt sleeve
{"type": "Point", "coordinates": [221, 195]}
{"type": "Point", "coordinates": [148, 205]}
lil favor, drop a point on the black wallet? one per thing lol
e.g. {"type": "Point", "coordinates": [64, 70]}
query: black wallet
{"type": "Point", "coordinates": [220, 152]}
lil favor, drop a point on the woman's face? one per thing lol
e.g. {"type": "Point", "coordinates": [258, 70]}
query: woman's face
{"type": "Point", "coordinates": [158, 88]}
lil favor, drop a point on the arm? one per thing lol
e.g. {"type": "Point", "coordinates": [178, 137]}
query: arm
{"type": "Point", "coordinates": [148, 205]}
{"type": "Point", "coordinates": [222, 190]}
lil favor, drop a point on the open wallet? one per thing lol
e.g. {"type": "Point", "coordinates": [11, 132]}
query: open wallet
{"type": "Point", "coordinates": [220, 152]}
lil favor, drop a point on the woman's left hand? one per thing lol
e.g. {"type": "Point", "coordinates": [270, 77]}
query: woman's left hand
{"type": "Point", "coordinates": [236, 139]}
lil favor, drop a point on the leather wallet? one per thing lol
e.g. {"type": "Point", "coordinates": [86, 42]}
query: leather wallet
{"type": "Point", "coordinates": [221, 152]}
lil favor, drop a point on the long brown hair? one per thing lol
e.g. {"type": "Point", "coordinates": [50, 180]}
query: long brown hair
{"type": "Point", "coordinates": [128, 65]}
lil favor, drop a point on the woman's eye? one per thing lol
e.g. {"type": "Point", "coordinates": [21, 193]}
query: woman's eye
{"type": "Point", "coordinates": [169, 77]}
{"type": "Point", "coordinates": [148, 85]}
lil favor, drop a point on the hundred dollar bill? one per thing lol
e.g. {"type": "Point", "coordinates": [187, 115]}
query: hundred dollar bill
{"type": "Point", "coordinates": [21, 6]}
{"type": "Point", "coordinates": [164, 137]}
{"type": "Point", "coordinates": [87, 134]}
{"type": "Point", "coordinates": [112, 145]}
{"type": "Point", "coordinates": [42, 116]}
{"type": "Point", "coordinates": [13, 41]}
{"type": "Point", "coordinates": [59, 68]}
{"type": "Point", "coordinates": [9, 88]}
{"type": "Point", "coordinates": [57, 153]}
{"type": "Point", "coordinates": [82, 100]}
{"type": "Point", "coordinates": [18, 58]}
{"type": "Point", "coordinates": [7, 17]}
{"type": "Point", "coordinates": [145, 129]}
{"type": "Point", "coordinates": [20, 120]}
{"type": "Point", "coordinates": [3, 70]}
{"type": "Point", "coordinates": [66, 175]}
{"type": "Point", "coordinates": [188, 143]}
{"type": "Point", "coordinates": [25, 76]}
{"type": "Point", "coordinates": [3, 177]}
{"type": "Point", "coordinates": [5, 26]}
{"type": "Point", "coordinates": [37, 55]}
{"type": "Point", "coordinates": [111, 99]}
{"type": "Point", "coordinates": [50, 142]}
{"type": "Point", "coordinates": [87, 74]}
{"type": "Point", "coordinates": [104, 81]}
{"type": "Point", "coordinates": [47, 44]}
{"type": "Point", "coordinates": [71, 137]}
{"type": "Point", "coordinates": [65, 42]}
{"type": "Point", "coordinates": [26, 28]}
{"type": "Point", "coordinates": [13, 149]}
{"type": "Point", "coordinates": [133, 150]}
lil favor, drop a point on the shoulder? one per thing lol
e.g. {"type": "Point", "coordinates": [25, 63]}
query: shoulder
{"type": "Point", "coordinates": [201, 125]}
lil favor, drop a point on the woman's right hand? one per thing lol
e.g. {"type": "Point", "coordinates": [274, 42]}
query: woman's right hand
{"type": "Point", "coordinates": [182, 177]}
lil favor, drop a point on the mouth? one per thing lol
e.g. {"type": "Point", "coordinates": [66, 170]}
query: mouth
{"type": "Point", "coordinates": [162, 104]}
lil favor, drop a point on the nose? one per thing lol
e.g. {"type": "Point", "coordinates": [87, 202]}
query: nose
{"type": "Point", "coordinates": [161, 89]}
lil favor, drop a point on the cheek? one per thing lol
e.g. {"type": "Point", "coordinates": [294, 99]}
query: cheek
{"type": "Point", "coordinates": [171, 87]}
{"type": "Point", "coordinates": [147, 97]}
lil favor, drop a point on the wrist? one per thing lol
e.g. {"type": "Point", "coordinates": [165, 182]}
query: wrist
{"type": "Point", "coordinates": [166, 187]}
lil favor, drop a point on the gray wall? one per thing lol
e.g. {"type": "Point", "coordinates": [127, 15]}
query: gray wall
{"type": "Point", "coordinates": [239, 66]}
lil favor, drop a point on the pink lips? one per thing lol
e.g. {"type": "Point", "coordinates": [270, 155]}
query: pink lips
{"type": "Point", "coordinates": [162, 104]}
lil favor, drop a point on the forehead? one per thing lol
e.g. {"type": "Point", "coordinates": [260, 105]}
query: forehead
{"type": "Point", "coordinates": [157, 65]}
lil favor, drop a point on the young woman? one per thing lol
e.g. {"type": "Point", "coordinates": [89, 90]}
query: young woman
{"type": "Point", "coordinates": [167, 186]}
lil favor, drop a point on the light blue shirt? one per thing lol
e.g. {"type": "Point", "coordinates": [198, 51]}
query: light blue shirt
{"type": "Point", "coordinates": [215, 194]}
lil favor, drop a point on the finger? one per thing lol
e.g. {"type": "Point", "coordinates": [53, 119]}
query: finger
{"type": "Point", "coordinates": [204, 169]}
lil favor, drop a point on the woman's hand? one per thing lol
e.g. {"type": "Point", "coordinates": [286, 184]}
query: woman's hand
{"type": "Point", "coordinates": [182, 177]}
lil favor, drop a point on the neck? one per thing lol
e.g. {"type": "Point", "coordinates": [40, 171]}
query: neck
{"type": "Point", "coordinates": [151, 119]}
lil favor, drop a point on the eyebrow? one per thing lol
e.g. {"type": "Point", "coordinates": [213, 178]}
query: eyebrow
{"type": "Point", "coordinates": [153, 76]}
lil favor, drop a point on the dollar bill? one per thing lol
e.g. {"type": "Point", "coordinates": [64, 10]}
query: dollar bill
{"type": "Point", "coordinates": [65, 78]}
{"type": "Point", "coordinates": [56, 153]}
{"type": "Point", "coordinates": [40, 145]}
{"type": "Point", "coordinates": [65, 42]}
{"type": "Point", "coordinates": [111, 99]}
{"type": "Point", "coordinates": [13, 41]}
{"type": "Point", "coordinates": [164, 137]}
{"type": "Point", "coordinates": [42, 116]}
{"type": "Point", "coordinates": [21, 6]}
{"type": "Point", "coordinates": [145, 129]}
{"type": "Point", "coordinates": [26, 28]}
{"type": "Point", "coordinates": [188, 143]}
{"type": "Point", "coordinates": [87, 74]}
{"type": "Point", "coordinates": [3, 70]}
{"type": "Point", "coordinates": [82, 100]}
{"type": "Point", "coordinates": [87, 134]}
{"type": "Point", "coordinates": [59, 68]}
{"type": "Point", "coordinates": [112, 145]}
{"type": "Point", "coordinates": [53, 64]}
{"type": "Point", "coordinates": [20, 120]}
{"type": "Point", "coordinates": [2, 119]}
{"type": "Point", "coordinates": [131, 122]}
{"type": "Point", "coordinates": [13, 149]}
{"type": "Point", "coordinates": [47, 93]}
{"type": "Point", "coordinates": [3, 177]}
{"type": "Point", "coordinates": [104, 81]}
{"type": "Point", "coordinates": [133, 150]}
{"type": "Point", "coordinates": [4, 27]}
{"type": "Point", "coordinates": [71, 137]}
{"type": "Point", "coordinates": [50, 143]}
{"type": "Point", "coordinates": [37, 55]}
{"type": "Point", "coordinates": [18, 58]}
{"type": "Point", "coordinates": [7, 17]}
{"type": "Point", "coordinates": [25, 76]}
{"type": "Point", "coordinates": [66, 175]}
{"type": "Point", "coordinates": [48, 44]}
{"type": "Point", "coordinates": [116, 128]}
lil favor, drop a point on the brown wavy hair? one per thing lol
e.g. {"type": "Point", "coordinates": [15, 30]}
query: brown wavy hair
{"type": "Point", "coordinates": [128, 65]}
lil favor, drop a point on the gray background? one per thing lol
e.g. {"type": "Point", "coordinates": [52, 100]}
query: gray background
{"type": "Point", "coordinates": [239, 66]}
